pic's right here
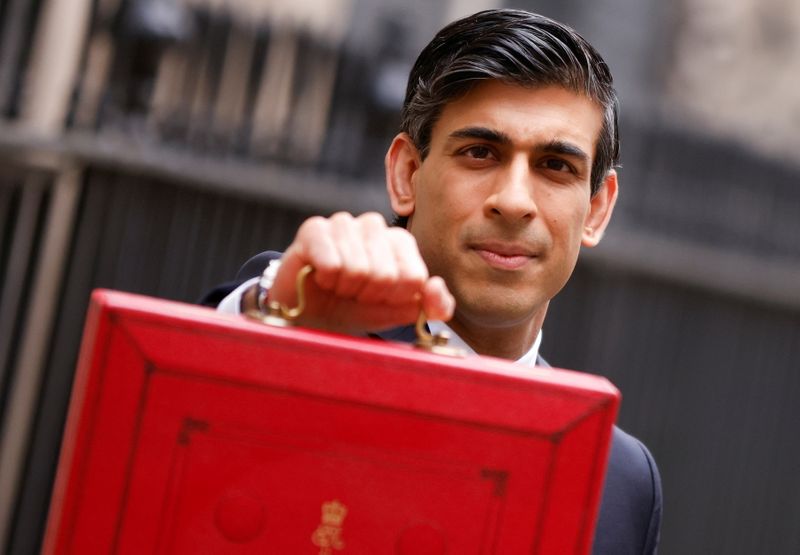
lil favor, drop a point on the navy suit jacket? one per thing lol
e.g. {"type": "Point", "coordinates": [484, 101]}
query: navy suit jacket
{"type": "Point", "coordinates": [630, 509]}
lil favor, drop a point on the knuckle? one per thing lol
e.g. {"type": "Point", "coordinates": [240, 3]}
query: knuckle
{"type": "Point", "coordinates": [342, 217]}
{"type": "Point", "coordinates": [327, 265]}
{"type": "Point", "coordinates": [402, 238]}
{"type": "Point", "coordinates": [385, 276]}
{"type": "Point", "coordinates": [357, 270]}
{"type": "Point", "coordinates": [313, 226]}
{"type": "Point", "coordinates": [415, 274]}
{"type": "Point", "coordinates": [372, 220]}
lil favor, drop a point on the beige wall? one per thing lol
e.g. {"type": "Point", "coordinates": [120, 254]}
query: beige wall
{"type": "Point", "coordinates": [736, 72]}
{"type": "Point", "coordinates": [327, 18]}
{"type": "Point", "coordinates": [460, 8]}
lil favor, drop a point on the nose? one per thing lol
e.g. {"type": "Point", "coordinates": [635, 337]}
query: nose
{"type": "Point", "coordinates": [512, 196]}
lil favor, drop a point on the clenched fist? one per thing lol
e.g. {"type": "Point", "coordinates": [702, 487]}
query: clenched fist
{"type": "Point", "coordinates": [367, 276]}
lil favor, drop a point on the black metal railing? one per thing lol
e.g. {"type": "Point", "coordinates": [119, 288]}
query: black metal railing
{"type": "Point", "coordinates": [208, 82]}
{"type": "Point", "coordinates": [18, 20]}
{"type": "Point", "coordinates": [187, 147]}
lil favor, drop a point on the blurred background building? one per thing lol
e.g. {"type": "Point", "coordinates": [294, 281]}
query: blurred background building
{"type": "Point", "coordinates": [153, 145]}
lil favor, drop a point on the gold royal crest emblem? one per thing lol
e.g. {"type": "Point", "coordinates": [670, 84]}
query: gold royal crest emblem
{"type": "Point", "coordinates": [328, 535]}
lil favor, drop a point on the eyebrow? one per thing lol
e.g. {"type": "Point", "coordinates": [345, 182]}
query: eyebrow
{"type": "Point", "coordinates": [555, 146]}
{"type": "Point", "coordinates": [484, 133]}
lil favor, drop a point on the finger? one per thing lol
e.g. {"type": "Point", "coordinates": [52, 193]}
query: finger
{"type": "Point", "coordinates": [383, 265]}
{"type": "Point", "coordinates": [314, 244]}
{"type": "Point", "coordinates": [349, 242]}
{"type": "Point", "coordinates": [412, 271]}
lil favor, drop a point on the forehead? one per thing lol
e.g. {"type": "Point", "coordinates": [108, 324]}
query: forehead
{"type": "Point", "coordinates": [525, 114]}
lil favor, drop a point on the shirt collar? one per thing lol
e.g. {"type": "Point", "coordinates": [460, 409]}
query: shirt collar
{"type": "Point", "coordinates": [528, 359]}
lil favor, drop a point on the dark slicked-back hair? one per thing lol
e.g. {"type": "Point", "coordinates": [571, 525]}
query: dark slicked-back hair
{"type": "Point", "coordinates": [518, 48]}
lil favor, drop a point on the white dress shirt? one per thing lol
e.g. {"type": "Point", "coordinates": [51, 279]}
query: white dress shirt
{"type": "Point", "coordinates": [233, 302]}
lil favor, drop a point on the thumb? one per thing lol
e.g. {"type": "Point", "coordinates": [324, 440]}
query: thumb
{"type": "Point", "coordinates": [437, 301]}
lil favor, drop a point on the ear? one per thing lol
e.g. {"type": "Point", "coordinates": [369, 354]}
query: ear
{"type": "Point", "coordinates": [402, 162]}
{"type": "Point", "coordinates": [600, 208]}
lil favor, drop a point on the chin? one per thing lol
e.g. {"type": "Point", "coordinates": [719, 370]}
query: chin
{"type": "Point", "coordinates": [499, 310]}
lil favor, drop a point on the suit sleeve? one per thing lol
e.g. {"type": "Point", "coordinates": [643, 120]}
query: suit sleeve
{"type": "Point", "coordinates": [654, 528]}
{"type": "Point", "coordinates": [629, 522]}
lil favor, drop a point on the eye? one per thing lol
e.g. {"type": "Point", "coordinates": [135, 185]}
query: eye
{"type": "Point", "coordinates": [558, 165]}
{"type": "Point", "coordinates": [478, 152]}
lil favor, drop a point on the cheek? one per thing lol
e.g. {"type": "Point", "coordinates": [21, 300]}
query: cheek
{"type": "Point", "coordinates": [446, 201]}
{"type": "Point", "coordinates": [567, 228]}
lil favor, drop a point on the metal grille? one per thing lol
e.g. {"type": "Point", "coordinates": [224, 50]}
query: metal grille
{"type": "Point", "coordinates": [17, 22]}
{"type": "Point", "coordinates": [710, 386]}
{"type": "Point", "coordinates": [165, 162]}
{"type": "Point", "coordinates": [229, 85]}
{"type": "Point", "coordinates": [23, 202]}
{"type": "Point", "coordinates": [139, 235]}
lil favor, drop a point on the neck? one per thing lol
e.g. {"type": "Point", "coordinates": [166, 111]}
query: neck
{"type": "Point", "coordinates": [510, 342]}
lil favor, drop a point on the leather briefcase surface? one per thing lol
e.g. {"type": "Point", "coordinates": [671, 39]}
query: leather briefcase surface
{"type": "Point", "coordinates": [194, 432]}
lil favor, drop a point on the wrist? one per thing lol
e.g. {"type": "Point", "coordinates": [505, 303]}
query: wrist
{"type": "Point", "coordinates": [260, 292]}
{"type": "Point", "coordinates": [248, 301]}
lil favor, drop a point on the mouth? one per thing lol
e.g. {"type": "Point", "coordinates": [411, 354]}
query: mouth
{"type": "Point", "coordinates": [504, 256]}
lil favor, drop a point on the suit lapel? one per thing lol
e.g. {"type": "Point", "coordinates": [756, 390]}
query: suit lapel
{"type": "Point", "coordinates": [404, 334]}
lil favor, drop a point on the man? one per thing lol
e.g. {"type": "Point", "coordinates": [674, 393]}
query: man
{"type": "Point", "coordinates": [503, 169]}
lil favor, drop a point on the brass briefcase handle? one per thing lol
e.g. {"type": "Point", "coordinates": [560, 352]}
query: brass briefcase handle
{"type": "Point", "coordinates": [278, 314]}
{"type": "Point", "coordinates": [434, 342]}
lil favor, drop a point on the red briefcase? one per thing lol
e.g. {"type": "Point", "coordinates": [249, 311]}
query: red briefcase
{"type": "Point", "coordinates": [193, 432]}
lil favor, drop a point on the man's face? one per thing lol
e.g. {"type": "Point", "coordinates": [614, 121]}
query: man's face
{"type": "Point", "coordinates": [502, 203]}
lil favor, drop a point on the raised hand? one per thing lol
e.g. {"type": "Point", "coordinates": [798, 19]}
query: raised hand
{"type": "Point", "coordinates": [367, 276]}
